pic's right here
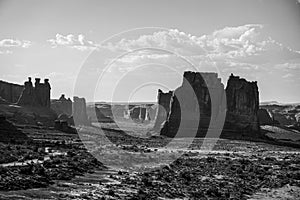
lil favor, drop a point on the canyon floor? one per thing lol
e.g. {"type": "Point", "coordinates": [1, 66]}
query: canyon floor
{"type": "Point", "coordinates": [145, 167]}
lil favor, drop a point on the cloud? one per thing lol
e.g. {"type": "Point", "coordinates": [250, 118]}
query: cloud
{"type": "Point", "coordinates": [15, 43]}
{"type": "Point", "coordinates": [233, 41]}
{"type": "Point", "coordinates": [247, 43]}
{"type": "Point", "coordinates": [76, 42]}
{"type": "Point", "coordinates": [6, 52]}
{"type": "Point", "coordinates": [287, 76]}
{"type": "Point", "coordinates": [171, 40]}
{"type": "Point", "coordinates": [236, 41]}
{"type": "Point", "coordinates": [288, 66]}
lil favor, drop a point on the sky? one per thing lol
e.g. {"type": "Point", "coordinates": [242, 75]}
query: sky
{"type": "Point", "coordinates": [126, 50]}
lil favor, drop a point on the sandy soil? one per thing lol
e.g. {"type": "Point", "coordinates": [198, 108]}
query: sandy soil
{"type": "Point", "coordinates": [231, 170]}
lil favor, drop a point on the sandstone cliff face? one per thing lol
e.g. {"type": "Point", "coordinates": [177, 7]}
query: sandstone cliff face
{"type": "Point", "coordinates": [79, 111]}
{"type": "Point", "coordinates": [163, 109]}
{"type": "Point", "coordinates": [264, 117]}
{"type": "Point", "coordinates": [242, 105]}
{"type": "Point", "coordinates": [199, 106]}
{"type": "Point", "coordinates": [194, 105]}
{"type": "Point", "coordinates": [10, 92]}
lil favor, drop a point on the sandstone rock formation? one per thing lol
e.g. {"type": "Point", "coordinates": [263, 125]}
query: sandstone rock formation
{"type": "Point", "coordinates": [264, 117]}
{"type": "Point", "coordinates": [79, 111]}
{"type": "Point", "coordinates": [163, 109]}
{"type": "Point", "coordinates": [10, 92]}
{"type": "Point", "coordinates": [198, 106]}
{"type": "Point", "coordinates": [135, 113]}
{"type": "Point", "coordinates": [101, 117]}
{"type": "Point", "coordinates": [192, 105]}
{"type": "Point", "coordinates": [143, 114]}
{"type": "Point", "coordinates": [38, 96]}
{"type": "Point", "coordinates": [106, 110]}
{"type": "Point", "coordinates": [96, 113]}
{"type": "Point", "coordinates": [242, 105]}
{"type": "Point", "coordinates": [151, 109]}
{"type": "Point", "coordinates": [62, 105]}
{"type": "Point", "coordinates": [283, 118]}
{"type": "Point", "coordinates": [64, 122]}
{"type": "Point", "coordinates": [118, 111]}
{"type": "Point", "coordinates": [67, 118]}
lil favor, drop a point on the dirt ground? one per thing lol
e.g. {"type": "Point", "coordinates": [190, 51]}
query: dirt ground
{"type": "Point", "coordinates": [207, 169]}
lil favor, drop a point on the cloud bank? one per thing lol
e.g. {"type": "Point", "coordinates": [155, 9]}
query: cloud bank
{"type": "Point", "coordinates": [76, 42]}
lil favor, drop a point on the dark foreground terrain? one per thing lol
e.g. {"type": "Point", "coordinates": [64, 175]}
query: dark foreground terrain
{"type": "Point", "coordinates": [56, 165]}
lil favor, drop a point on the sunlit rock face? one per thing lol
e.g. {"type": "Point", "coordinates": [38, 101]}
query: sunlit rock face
{"type": "Point", "coordinates": [242, 105]}
{"type": "Point", "coordinates": [202, 106]}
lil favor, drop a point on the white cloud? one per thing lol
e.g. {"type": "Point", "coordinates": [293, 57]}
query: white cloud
{"type": "Point", "coordinates": [240, 42]}
{"type": "Point", "coordinates": [6, 52]}
{"type": "Point", "coordinates": [288, 66]}
{"type": "Point", "coordinates": [76, 42]}
{"type": "Point", "coordinates": [247, 43]}
{"type": "Point", "coordinates": [15, 43]}
{"type": "Point", "coordinates": [287, 76]}
{"type": "Point", "coordinates": [235, 49]}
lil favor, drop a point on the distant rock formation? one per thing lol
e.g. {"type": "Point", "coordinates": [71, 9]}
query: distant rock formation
{"type": "Point", "coordinates": [163, 109]}
{"type": "Point", "coordinates": [242, 105]}
{"type": "Point", "coordinates": [283, 114]}
{"type": "Point", "coordinates": [139, 112]}
{"type": "Point", "coordinates": [37, 96]}
{"type": "Point", "coordinates": [135, 113]}
{"type": "Point", "coordinates": [199, 103]}
{"type": "Point", "coordinates": [64, 117]}
{"type": "Point", "coordinates": [79, 111]}
{"type": "Point", "coordinates": [283, 118]}
{"type": "Point", "coordinates": [64, 122]}
{"type": "Point", "coordinates": [62, 105]}
{"type": "Point", "coordinates": [264, 117]}
{"type": "Point", "coordinates": [99, 113]}
{"type": "Point", "coordinates": [101, 117]}
{"type": "Point", "coordinates": [143, 114]}
{"type": "Point", "coordinates": [10, 92]}
{"type": "Point", "coordinates": [151, 109]}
